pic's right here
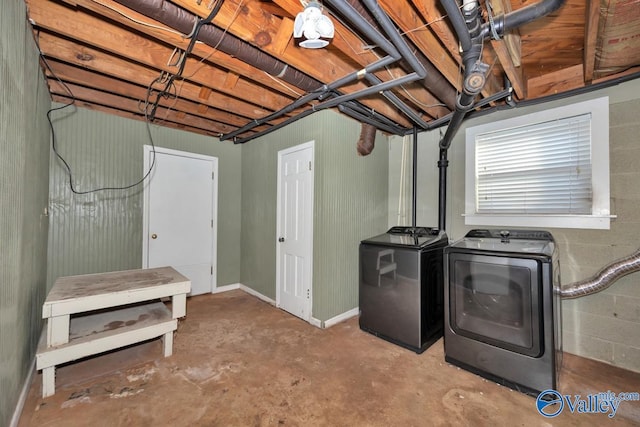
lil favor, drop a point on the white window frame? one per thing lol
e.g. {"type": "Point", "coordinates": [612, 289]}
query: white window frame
{"type": "Point", "coordinates": [600, 213]}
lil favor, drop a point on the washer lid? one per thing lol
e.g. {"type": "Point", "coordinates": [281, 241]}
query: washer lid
{"type": "Point", "coordinates": [414, 237]}
{"type": "Point", "coordinates": [514, 241]}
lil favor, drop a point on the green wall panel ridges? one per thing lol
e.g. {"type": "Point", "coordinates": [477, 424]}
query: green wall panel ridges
{"type": "Point", "coordinates": [103, 231]}
{"type": "Point", "coordinates": [24, 145]}
{"type": "Point", "coordinates": [350, 203]}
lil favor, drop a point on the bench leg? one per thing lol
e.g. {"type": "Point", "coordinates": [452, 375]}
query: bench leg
{"type": "Point", "coordinates": [48, 381]}
{"type": "Point", "coordinates": [179, 304]}
{"type": "Point", "coordinates": [167, 343]}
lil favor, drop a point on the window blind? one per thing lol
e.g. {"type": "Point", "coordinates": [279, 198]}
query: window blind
{"type": "Point", "coordinates": [543, 168]}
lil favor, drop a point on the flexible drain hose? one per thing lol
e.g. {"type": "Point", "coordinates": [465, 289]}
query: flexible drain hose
{"type": "Point", "coordinates": [604, 278]}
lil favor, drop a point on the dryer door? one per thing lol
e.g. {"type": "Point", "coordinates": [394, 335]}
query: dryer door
{"type": "Point", "coordinates": [496, 300]}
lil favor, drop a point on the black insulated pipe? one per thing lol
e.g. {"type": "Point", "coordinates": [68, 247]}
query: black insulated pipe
{"type": "Point", "coordinates": [434, 81]}
{"type": "Point", "coordinates": [414, 176]}
{"type": "Point", "coordinates": [517, 18]}
{"type": "Point", "coordinates": [471, 34]}
{"type": "Point", "coordinates": [322, 92]}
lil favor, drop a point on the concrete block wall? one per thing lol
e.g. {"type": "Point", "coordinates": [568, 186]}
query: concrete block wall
{"type": "Point", "coordinates": [606, 326]}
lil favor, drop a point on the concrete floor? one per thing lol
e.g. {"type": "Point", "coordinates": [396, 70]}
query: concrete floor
{"type": "Point", "coordinates": [240, 362]}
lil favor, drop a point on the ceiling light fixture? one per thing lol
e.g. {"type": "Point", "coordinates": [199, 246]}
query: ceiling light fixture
{"type": "Point", "coordinates": [313, 27]}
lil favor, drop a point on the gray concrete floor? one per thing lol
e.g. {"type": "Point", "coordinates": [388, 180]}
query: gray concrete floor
{"type": "Point", "coordinates": [240, 362]}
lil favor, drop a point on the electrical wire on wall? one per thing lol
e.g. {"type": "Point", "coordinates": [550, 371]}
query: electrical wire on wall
{"type": "Point", "coordinates": [149, 109]}
{"type": "Point", "coordinates": [54, 141]}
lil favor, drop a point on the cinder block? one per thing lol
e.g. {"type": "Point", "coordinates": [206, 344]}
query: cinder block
{"type": "Point", "coordinates": [624, 112]}
{"type": "Point", "coordinates": [625, 161]}
{"type": "Point", "coordinates": [624, 136]}
{"type": "Point", "coordinates": [608, 329]}
{"type": "Point", "coordinates": [626, 357]}
{"type": "Point", "coordinates": [627, 286]}
{"type": "Point", "coordinates": [589, 347]}
{"type": "Point", "coordinates": [601, 304]}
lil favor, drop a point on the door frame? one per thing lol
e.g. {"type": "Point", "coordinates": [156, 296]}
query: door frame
{"type": "Point", "coordinates": [147, 150]}
{"type": "Point", "coordinates": [305, 146]}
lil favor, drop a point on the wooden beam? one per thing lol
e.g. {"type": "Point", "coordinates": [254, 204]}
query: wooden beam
{"type": "Point", "coordinates": [512, 38]}
{"type": "Point", "coordinates": [590, 38]}
{"type": "Point", "coordinates": [249, 22]}
{"type": "Point", "coordinates": [128, 115]}
{"type": "Point", "coordinates": [104, 35]}
{"type": "Point", "coordinates": [141, 23]}
{"type": "Point", "coordinates": [79, 76]}
{"type": "Point", "coordinates": [430, 45]}
{"type": "Point", "coordinates": [406, 18]}
{"type": "Point", "coordinates": [97, 60]}
{"type": "Point", "coordinates": [513, 72]}
{"type": "Point", "coordinates": [231, 80]}
{"type": "Point", "coordinates": [130, 105]}
{"type": "Point", "coordinates": [436, 21]}
{"type": "Point", "coordinates": [284, 36]}
{"type": "Point", "coordinates": [556, 82]}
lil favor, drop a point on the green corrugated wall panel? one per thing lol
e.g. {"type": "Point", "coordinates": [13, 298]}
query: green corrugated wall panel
{"type": "Point", "coordinates": [350, 203]}
{"type": "Point", "coordinates": [103, 231]}
{"type": "Point", "coordinates": [24, 145]}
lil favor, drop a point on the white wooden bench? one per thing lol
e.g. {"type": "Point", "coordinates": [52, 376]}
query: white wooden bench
{"type": "Point", "coordinates": [94, 313]}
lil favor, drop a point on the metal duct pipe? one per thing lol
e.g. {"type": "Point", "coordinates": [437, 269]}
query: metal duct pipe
{"type": "Point", "coordinates": [179, 19]}
{"type": "Point", "coordinates": [367, 140]}
{"type": "Point", "coordinates": [604, 278]}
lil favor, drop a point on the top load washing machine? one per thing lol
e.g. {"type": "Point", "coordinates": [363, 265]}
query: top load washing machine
{"type": "Point", "coordinates": [402, 286]}
{"type": "Point", "coordinates": [502, 307]}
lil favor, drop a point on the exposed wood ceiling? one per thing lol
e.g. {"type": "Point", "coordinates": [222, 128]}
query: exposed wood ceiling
{"type": "Point", "coordinates": [108, 57]}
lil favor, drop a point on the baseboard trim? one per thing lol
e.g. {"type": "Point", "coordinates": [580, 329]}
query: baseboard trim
{"type": "Point", "coordinates": [226, 288]}
{"type": "Point", "coordinates": [316, 322]}
{"type": "Point", "coordinates": [256, 294]}
{"type": "Point", "coordinates": [313, 321]}
{"type": "Point", "coordinates": [23, 395]}
{"type": "Point", "coordinates": [341, 317]}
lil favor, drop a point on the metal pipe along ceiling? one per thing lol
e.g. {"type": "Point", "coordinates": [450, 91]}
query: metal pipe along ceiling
{"type": "Point", "coordinates": [471, 33]}
{"type": "Point", "coordinates": [433, 81]}
{"type": "Point", "coordinates": [394, 46]}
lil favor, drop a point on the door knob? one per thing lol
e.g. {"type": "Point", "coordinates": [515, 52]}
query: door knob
{"type": "Point", "coordinates": [281, 239]}
{"type": "Point", "coordinates": [154, 236]}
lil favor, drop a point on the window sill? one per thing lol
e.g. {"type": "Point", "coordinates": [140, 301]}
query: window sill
{"type": "Point", "coordinates": [599, 222]}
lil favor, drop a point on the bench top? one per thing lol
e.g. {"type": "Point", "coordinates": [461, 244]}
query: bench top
{"type": "Point", "coordinates": [73, 294]}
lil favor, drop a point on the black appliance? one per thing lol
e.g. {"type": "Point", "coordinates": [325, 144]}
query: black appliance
{"type": "Point", "coordinates": [402, 286]}
{"type": "Point", "coordinates": [502, 316]}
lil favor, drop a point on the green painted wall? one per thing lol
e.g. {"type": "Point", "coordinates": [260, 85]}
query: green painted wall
{"type": "Point", "coordinates": [604, 326]}
{"type": "Point", "coordinates": [24, 148]}
{"type": "Point", "coordinates": [103, 231]}
{"type": "Point", "coordinates": [350, 204]}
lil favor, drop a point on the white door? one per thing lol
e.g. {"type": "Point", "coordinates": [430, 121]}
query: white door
{"type": "Point", "coordinates": [295, 230]}
{"type": "Point", "coordinates": [180, 221]}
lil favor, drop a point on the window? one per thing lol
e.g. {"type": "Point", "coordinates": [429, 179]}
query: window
{"type": "Point", "coordinates": [545, 169]}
